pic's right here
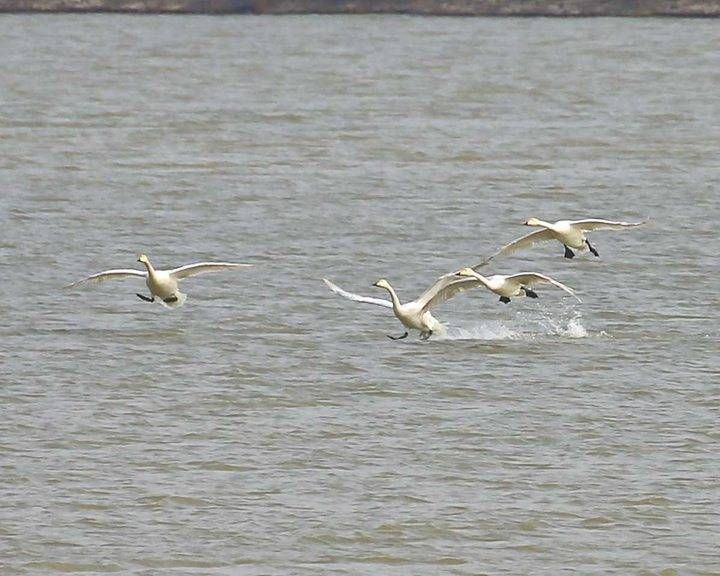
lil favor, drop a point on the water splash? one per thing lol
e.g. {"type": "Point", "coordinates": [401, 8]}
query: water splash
{"type": "Point", "coordinates": [525, 326]}
{"type": "Point", "coordinates": [486, 331]}
{"type": "Point", "coordinates": [567, 323]}
{"type": "Point", "coordinates": [575, 329]}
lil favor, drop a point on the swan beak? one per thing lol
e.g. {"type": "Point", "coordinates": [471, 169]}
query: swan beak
{"type": "Point", "coordinates": [526, 223]}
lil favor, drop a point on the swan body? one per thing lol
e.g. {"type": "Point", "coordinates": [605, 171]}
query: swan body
{"type": "Point", "coordinates": [162, 284]}
{"type": "Point", "coordinates": [414, 315]}
{"type": "Point", "coordinates": [570, 233]}
{"type": "Point", "coordinates": [515, 285]}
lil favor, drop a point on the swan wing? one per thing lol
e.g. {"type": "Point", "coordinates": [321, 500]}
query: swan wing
{"type": "Point", "coordinates": [526, 241]}
{"type": "Point", "coordinates": [599, 224]}
{"type": "Point", "coordinates": [201, 268]}
{"type": "Point", "coordinates": [357, 297]}
{"type": "Point", "coordinates": [107, 275]}
{"type": "Point", "coordinates": [532, 278]}
{"type": "Point", "coordinates": [445, 288]}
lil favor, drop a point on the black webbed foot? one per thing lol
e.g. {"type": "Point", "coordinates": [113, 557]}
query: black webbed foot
{"type": "Point", "coordinates": [397, 337]}
{"type": "Point", "coordinates": [591, 248]}
{"type": "Point", "coordinates": [504, 299]}
{"type": "Point", "coordinates": [425, 335]}
{"type": "Point", "coordinates": [569, 253]}
{"type": "Point", "coordinates": [142, 297]}
{"type": "Point", "coordinates": [170, 299]}
{"type": "Point", "coordinates": [530, 293]}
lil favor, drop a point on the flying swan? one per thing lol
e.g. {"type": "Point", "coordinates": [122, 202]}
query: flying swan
{"type": "Point", "coordinates": [515, 284]}
{"type": "Point", "coordinates": [161, 283]}
{"type": "Point", "coordinates": [570, 233]}
{"type": "Point", "coordinates": [416, 314]}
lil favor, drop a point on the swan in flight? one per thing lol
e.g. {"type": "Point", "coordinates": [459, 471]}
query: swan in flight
{"type": "Point", "coordinates": [515, 284]}
{"type": "Point", "coordinates": [161, 283]}
{"type": "Point", "coordinates": [416, 314]}
{"type": "Point", "coordinates": [570, 233]}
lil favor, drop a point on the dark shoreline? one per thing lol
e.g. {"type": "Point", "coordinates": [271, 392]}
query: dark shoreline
{"type": "Point", "coordinates": [464, 8]}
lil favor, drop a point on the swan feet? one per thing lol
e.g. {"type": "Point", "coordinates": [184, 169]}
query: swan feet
{"type": "Point", "coordinates": [425, 335]}
{"type": "Point", "coordinates": [591, 248]}
{"type": "Point", "coordinates": [397, 337]}
{"type": "Point", "coordinates": [569, 253]}
{"type": "Point", "coordinates": [504, 299]}
{"type": "Point", "coordinates": [151, 299]}
{"type": "Point", "coordinates": [529, 293]}
{"type": "Point", "coordinates": [170, 299]}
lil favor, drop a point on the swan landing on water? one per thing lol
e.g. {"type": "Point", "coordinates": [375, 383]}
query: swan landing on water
{"type": "Point", "coordinates": [162, 284]}
{"type": "Point", "coordinates": [514, 285]}
{"type": "Point", "coordinates": [570, 233]}
{"type": "Point", "coordinates": [414, 315]}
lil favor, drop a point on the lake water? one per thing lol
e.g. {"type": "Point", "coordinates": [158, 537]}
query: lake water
{"type": "Point", "coordinates": [269, 427]}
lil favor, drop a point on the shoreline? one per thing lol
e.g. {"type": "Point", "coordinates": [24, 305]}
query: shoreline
{"type": "Point", "coordinates": [459, 8]}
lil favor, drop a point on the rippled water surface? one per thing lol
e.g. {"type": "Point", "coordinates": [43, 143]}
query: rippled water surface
{"type": "Point", "coordinates": [268, 426]}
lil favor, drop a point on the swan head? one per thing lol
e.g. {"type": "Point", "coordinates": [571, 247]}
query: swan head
{"type": "Point", "coordinates": [142, 258]}
{"type": "Point", "coordinates": [467, 272]}
{"type": "Point", "coordinates": [532, 222]}
{"type": "Point", "coordinates": [382, 283]}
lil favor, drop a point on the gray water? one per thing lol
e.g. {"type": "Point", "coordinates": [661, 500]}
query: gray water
{"type": "Point", "coordinates": [269, 427]}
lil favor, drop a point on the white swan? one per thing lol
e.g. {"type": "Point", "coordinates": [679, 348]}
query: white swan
{"type": "Point", "coordinates": [570, 233]}
{"type": "Point", "coordinates": [515, 284]}
{"type": "Point", "coordinates": [416, 314]}
{"type": "Point", "coordinates": [161, 283]}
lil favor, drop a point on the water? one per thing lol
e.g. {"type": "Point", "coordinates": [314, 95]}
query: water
{"type": "Point", "coordinates": [268, 426]}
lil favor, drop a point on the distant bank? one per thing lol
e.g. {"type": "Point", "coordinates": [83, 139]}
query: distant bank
{"type": "Point", "coordinates": [692, 8]}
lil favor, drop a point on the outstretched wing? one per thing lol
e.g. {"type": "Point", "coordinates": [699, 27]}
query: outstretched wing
{"type": "Point", "coordinates": [357, 297]}
{"type": "Point", "coordinates": [526, 241]}
{"type": "Point", "coordinates": [532, 278]}
{"type": "Point", "coordinates": [445, 288]}
{"type": "Point", "coordinates": [107, 275]}
{"type": "Point", "coordinates": [201, 268]}
{"type": "Point", "coordinates": [599, 224]}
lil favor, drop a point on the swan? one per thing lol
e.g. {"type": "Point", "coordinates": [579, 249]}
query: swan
{"type": "Point", "coordinates": [570, 233]}
{"type": "Point", "coordinates": [415, 314]}
{"type": "Point", "coordinates": [161, 283]}
{"type": "Point", "coordinates": [515, 284]}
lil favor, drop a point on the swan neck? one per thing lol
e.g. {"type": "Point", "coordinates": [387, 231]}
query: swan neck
{"type": "Point", "coordinates": [394, 297]}
{"type": "Point", "coordinates": [544, 224]}
{"type": "Point", "coordinates": [150, 269]}
{"type": "Point", "coordinates": [481, 278]}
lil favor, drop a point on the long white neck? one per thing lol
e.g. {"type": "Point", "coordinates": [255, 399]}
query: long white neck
{"type": "Point", "coordinates": [482, 278]}
{"type": "Point", "coordinates": [394, 297]}
{"type": "Point", "coordinates": [543, 224]}
{"type": "Point", "coordinates": [150, 269]}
